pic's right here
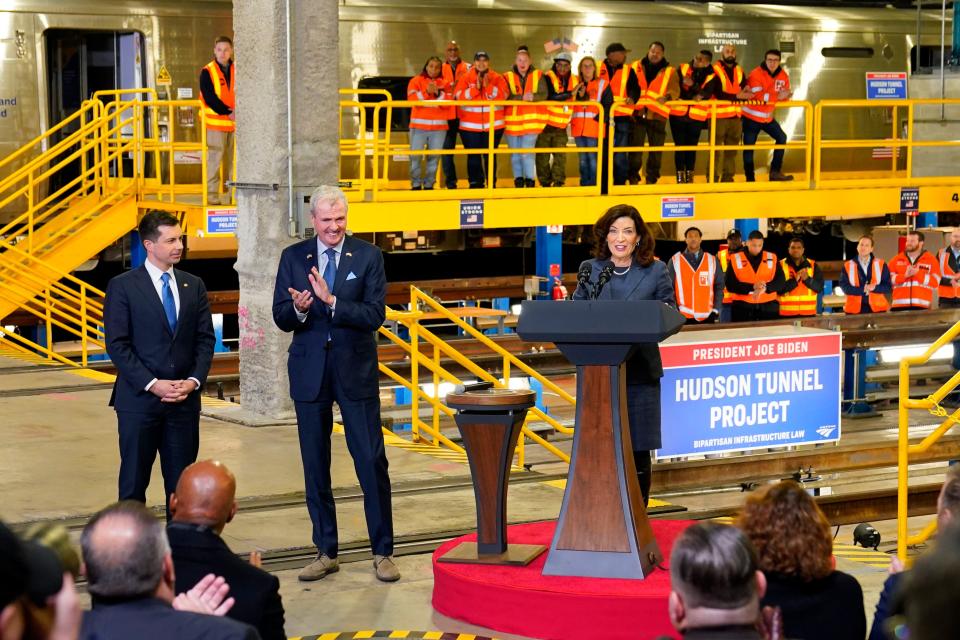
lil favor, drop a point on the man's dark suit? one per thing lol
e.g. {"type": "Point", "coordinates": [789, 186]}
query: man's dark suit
{"type": "Point", "coordinates": [198, 551]}
{"type": "Point", "coordinates": [148, 618]}
{"type": "Point", "coordinates": [142, 347]}
{"type": "Point", "coordinates": [334, 358]}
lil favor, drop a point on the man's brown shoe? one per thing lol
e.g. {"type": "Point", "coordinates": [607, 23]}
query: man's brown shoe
{"type": "Point", "coordinates": [319, 568]}
{"type": "Point", "coordinates": [776, 176]}
{"type": "Point", "coordinates": [385, 569]}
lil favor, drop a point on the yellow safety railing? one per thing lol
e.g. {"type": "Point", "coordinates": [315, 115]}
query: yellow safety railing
{"type": "Point", "coordinates": [905, 449]}
{"type": "Point", "coordinates": [426, 351]}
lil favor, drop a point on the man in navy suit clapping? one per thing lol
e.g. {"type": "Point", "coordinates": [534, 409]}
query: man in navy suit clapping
{"type": "Point", "coordinates": [330, 292]}
{"type": "Point", "coordinates": [159, 334]}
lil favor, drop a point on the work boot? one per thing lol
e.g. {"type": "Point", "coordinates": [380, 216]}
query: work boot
{"type": "Point", "coordinates": [545, 184]}
{"type": "Point", "coordinates": [518, 183]}
{"type": "Point", "coordinates": [652, 180]}
{"type": "Point", "coordinates": [777, 176]}
{"type": "Point", "coordinates": [681, 177]}
{"type": "Point", "coordinates": [749, 178]}
{"type": "Point", "coordinates": [385, 569]}
{"type": "Point", "coordinates": [529, 183]}
{"type": "Point", "coordinates": [691, 177]}
{"type": "Point", "coordinates": [319, 568]}
{"type": "Point", "coordinates": [558, 184]}
{"type": "Point", "coordinates": [726, 179]}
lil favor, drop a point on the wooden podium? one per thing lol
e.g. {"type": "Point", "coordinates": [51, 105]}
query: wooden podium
{"type": "Point", "coordinates": [603, 529]}
{"type": "Point", "coordinates": [490, 421]}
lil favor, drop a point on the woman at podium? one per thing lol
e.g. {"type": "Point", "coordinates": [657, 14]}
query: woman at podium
{"type": "Point", "coordinates": [624, 268]}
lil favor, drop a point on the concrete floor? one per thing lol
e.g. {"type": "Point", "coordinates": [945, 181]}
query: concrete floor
{"type": "Point", "coordinates": [60, 459]}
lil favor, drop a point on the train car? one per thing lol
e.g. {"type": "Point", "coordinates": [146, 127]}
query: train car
{"type": "Point", "coordinates": [56, 53]}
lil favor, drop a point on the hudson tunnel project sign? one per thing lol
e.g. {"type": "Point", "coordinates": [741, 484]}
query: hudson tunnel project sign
{"type": "Point", "coordinates": [723, 395]}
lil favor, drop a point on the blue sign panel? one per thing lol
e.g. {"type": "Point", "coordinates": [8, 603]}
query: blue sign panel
{"type": "Point", "coordinates": [909, 200]}
{"type": "Point", "coordinates": [222, 221]}
{"type": "Point", "coordinates": [886, 85]}
{"type": "Point", "coordinates": [676, 207]}
{"type": "Point", "coordinates": [750, 394]}
{"type": "Point", "coordinates": [471, 214]}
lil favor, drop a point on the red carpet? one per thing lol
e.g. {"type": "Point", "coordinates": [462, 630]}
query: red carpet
{"type": "Point", "coordinates": [520, 600]}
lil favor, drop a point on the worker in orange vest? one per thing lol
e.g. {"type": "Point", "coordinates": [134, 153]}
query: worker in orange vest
{"type": "Point", "coordinates": [217, 94]}
{"type": "Point", "coordinates": [804, 282]}
{"type": "Point", "coordinates": [754, 279]}
{"type": "Point", "coordinates": [728, 84]}
{"type": "Point", "coordinates": [623, 91]}
{"type": "Point", "coordinates": [915, 275]}
{"type": "Point", "coordinates": [658, 83]}
{"type": "Point", "coordinates": [734, 244]}
{"type": "Point", "coordinates": [453, 69]}
{"type": "Point", "coordinates": [686, 121]}
{"type": "Point", "coordinates": [585, 123]}
{"type": "Point", "coordinates": [561, 85]}
{"type": "Point", "coordinates": [865, 280]}
{"type": "Point", "coordinates": [768, 84]}
{"type": "Point", "coordinates": [480, 84]}
{"type": "Point", "coordinates": [697, 280]}
{"type": "Point", "coordinates": [428, 125]}
{"type": "Point", "coordinates": [949, 259]}
{"type": "Point", "coordinates": [526, 84]}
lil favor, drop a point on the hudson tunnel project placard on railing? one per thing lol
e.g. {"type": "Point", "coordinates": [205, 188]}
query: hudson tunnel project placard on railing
{"type": "Point", "coordinates": [724, 391]}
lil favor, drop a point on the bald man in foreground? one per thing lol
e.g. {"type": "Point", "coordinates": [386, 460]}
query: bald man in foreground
{"type": "Point", "coordinates": [204, 502]}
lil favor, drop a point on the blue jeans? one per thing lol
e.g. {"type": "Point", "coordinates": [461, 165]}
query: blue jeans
{"type": "Point", "coordinates": [751, 131]}
{"type": "Point", "coordinates": [588, 161]}
{"type": "Point", "coordinates": [621, 161]}
{"type": "Point", "coordinates": [524, 165]}
{"type": "Point", "coordinates": [431, 140]}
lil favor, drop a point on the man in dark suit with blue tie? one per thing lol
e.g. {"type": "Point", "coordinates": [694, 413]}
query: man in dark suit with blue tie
{"type": "Point", "coordinates": [159, 334]}
{"type": "Point", "coordinates": [330, 292]}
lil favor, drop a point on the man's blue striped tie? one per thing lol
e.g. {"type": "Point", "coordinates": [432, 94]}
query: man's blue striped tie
{"type": "Point", "coordinates": [169, 304]}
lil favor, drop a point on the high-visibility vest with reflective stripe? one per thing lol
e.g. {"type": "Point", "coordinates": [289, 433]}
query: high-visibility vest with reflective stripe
{"type": "Point", "coordinates": [917, 290]}
{"type": "Point", "coordinates": [765, 89]}
{"type": "Point", "coordinates": [451, 76]}
{"type": "Point", "coordinates": [583, 122]}
{"type": "Point", "coordinates": [728, 86]}
{"type": "Point", "coordinates": [654, 90]}
{"type": "Point", "coordinates": [745, 273]}
{"type": "Point", "coordinates": [694, 287]}
{"type": "Point", "coordinates": [802, 301]}
{"type": "Point", "coordinates": [524, 120]}
{"type": "Point", "coordinates": [429, 118]}
{"type": "Point", "coordinates": [946, 291]}
{"type": "Point", "coordinates": [618, 83]}
{"type": "Point", "coordinates": [695, 112]}
{"type": "Point", "coordinates": [225, 91]}
{"type": "Point", "coordinates": [560, 116]}
{"type": "Point", "coordinates": [722, 257]}
{"type": "Point", "coordinates": [477, 118]}
{"type": "Point", "coordinates": [878, 301]}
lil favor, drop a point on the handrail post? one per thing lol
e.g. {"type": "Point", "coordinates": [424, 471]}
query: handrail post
{"type": "Point", "coordinates": [374, 169]}
{"type": "Point", "coordinates": [491, 172]}
{"type": "Point", "coordinates": [903, 462]}
{"type": "Point", "coordinates": [910, 114]}
{"type": "Point", "coordinates": [414, 329]}
{"type": "Point", "coordinates": [895, 150]}
{"type": "Point", "coordinates": [713, 143]}
{"type": "Point", "coordinates": [83, 325]}
{"type": "Point", "coordinates": [436, 396]}
{"type": "Point", "coordinates": [49, 320]}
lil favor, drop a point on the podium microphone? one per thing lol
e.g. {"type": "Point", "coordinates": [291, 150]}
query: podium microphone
{"type": "Point", "coordinates": [583, 280]}
{"type": "Point", "coordinates": [605, 274]}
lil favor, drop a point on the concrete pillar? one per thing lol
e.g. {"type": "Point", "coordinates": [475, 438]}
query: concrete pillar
{"type": "Point", "coordinates": [260, 40]}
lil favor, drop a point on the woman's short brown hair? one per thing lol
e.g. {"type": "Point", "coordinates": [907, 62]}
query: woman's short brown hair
{"type": "Point", "coordinates": [789, 531]}
{"type": "Point", "coordinates": [642, 253]}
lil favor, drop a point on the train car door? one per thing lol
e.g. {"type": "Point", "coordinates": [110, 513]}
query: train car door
{"type": "Point", "coordinates": [80, 63]}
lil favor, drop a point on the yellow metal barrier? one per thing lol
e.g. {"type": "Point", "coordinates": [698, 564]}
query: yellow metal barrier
{"type": "Point", "coordinates": [904, 449]}
{"type": "Point", "coordinates": [425, 351]}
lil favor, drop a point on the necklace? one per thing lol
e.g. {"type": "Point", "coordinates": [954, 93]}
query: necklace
{"type": "Point", "coordinates": [621, 273]}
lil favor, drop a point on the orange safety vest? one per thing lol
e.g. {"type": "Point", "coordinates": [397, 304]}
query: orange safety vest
{"type": "Point", "coordinates": [802, 301]}
{"type": "Point", "coordinates": [765, 89]}
{"type": "Point", "coordinates": [225, 92]}
{"type": "Point", "coordinates": [728, 86]}
{"type": "Point", "coordinates": [917, 290]}
{"type": "Point", "coordinates": [452, 76]}
{"type": "Point", "coordinates": [722, 256]}
{"type": "Point", "coordinates": [745, 273]}
{"type": "Point", "coordinates": [559, 117]}
{"type": "Point", "coordinates": [429, 118]}
{"type": "Point", "coordinates": [655, 90]}
{"type": "Point", "coordinates": [478, 118]}
{"type": "Point", "coordinates": [694, 287]}
{"type": "Point", "coordinates": [695, 112]}
{"type": "Point", "coordinates": [878, 301]}
{"type": "Point", "coordinates": [618, 84]}
{"type": "Point", "coordinates": [946, 291]}
{"type": "Point", "coordinates": [583, 123]}
{"type": "Point", "coordinates": [524, 120]}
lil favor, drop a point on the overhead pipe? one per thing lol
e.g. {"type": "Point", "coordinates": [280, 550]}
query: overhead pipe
{"type": "Point", "coordinates": [291, 214]}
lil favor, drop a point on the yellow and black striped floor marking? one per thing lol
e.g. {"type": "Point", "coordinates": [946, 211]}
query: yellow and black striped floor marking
{"type": "Point", "coordinates": [393, 440]}
{"type": "Point", "coordinates": [410, 635]}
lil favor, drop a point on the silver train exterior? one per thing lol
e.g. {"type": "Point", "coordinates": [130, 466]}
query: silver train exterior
{"type": "Point", "coordinates": [827, 51]}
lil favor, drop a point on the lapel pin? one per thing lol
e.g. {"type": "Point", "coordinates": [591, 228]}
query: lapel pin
{"type": "Point", "coordinates": [185, 285]}
{"type": "Point", "coordinates": [309, 256]}
{"type": "Point", "coordinates": [349, 255]}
